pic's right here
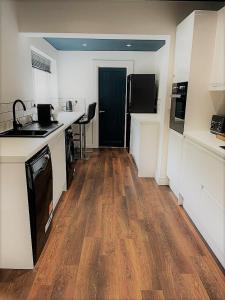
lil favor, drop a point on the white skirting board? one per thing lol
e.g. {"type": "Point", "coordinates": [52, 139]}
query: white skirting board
{"type": "Point", "coordinates": [162, 180]}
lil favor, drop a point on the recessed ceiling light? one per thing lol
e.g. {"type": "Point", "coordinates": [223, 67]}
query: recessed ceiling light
{"type": "Point", "coordinates": [84, 45]}
{"type": "Point", "coordinates": [128, 45]}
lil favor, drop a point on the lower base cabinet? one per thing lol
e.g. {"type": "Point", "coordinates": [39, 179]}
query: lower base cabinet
{"type": "Point", "coordinates": [203, 191]}
{"type": "Point", "coordinates": [175, 149]}
{"type": "Point", "coordinates": [15, 230]}
{"type": "Point", "coordinates": [57, 147]}
{"type": "Point", "coordinates": [144, 139]}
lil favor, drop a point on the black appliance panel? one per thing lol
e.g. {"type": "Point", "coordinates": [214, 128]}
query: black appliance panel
{"type": "Point", "coordinates": [40, 196]}
{"type": "Point", "coordinates": [70, 155]}
{"type": "Point", "coordinates": [141, 93]}
{"type": "Point", "coordinates": [178, 106]}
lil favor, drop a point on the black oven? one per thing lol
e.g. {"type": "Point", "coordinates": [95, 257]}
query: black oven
{"type": "Point", "coordinates": [178, 106]}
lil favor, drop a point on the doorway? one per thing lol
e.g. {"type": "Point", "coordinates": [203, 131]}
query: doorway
{"type": "Point", "coordinates": [112, 93]}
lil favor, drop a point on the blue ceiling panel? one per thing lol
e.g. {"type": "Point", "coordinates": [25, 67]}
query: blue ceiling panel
{"type": "Point", "coordinates": [80, 44]}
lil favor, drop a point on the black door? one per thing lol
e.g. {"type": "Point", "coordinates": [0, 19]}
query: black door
{"type": "Point", "coordinates": [112, 92]}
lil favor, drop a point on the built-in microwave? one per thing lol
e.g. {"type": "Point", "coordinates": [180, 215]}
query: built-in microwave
{"type": "Point", "coordinates": [178, 106]}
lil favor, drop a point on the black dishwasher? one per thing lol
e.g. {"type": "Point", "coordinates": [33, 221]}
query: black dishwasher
{"type": "Point", "coordinates": [40, 193]}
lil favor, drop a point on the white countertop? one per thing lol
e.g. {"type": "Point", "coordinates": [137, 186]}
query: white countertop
{"type": "Point", "coordinates": [207, 140]}
{"type": "Point", "coordinates": [146, 118]}
{"type": "Point", "coordinates": [18, 150]}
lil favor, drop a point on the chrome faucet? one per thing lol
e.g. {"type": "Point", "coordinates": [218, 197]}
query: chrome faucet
{"type": "Point", "coordinates": [16, 123]}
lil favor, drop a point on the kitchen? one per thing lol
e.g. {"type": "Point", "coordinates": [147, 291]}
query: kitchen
{"type": "Point", "coordinates": [190, 155]}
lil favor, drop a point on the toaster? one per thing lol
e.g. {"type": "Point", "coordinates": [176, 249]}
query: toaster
{"type": "Point", "coordinates": [218, 124]}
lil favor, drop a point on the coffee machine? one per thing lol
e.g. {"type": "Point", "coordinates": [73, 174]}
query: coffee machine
{"type": "Point", "coordinates": [44, 112]}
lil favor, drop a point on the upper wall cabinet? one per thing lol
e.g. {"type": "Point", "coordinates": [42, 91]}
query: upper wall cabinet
{"type": "Point", "coordinates": [195, 37]}
{"type": "Point", "coordinates": [218, 68]}
{"type": "Point", "coordinates": [195, 41]}
{"type": "Point", "coordinates": [183, 49]}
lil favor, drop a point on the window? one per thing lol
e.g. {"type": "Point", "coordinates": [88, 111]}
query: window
{"type": "Point", "coordinates": [44, 79]}
{"type": "Point", "coordinates": [41, 63]}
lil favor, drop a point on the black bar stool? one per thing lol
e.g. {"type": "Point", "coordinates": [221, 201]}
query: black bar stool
{"type": "Point", "coordinates": [86, 119]}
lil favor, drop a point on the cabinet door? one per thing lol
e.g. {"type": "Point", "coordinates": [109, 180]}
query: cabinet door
{"type": "Point", "coordinates": [57, 148]}
{"type": "Point", "coordinates": [203, 190]}
{"type": "Point", "coordinates": [218, 69]}
{"type": "Point", "coordinates": [183, 49]}
{"type": "Point", "coordinates": [190, 176]}
{"type": "Point", "coordinates": [174, 160]}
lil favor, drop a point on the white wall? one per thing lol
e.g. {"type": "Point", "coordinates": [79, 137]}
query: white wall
{"type": "Point", "coordinates": [75, 70]}
{"type": "Point", "coordinates": [15, 60]}
{"type": "Point", "coordinates": [78, 76]}
{"type": "Point", "coordinates": [101, 16]}
{"type": "Point", "coordinates": [16, 71]}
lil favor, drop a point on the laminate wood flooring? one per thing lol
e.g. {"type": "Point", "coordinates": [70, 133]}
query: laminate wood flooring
{"type": "Point", "coordinates": [117, 236]}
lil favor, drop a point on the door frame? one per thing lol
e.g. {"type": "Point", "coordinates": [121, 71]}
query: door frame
{"type": "Point", "coordinates": [126, 64]}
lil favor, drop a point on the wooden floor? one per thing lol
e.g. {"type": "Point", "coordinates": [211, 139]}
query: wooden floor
{"type": "Point", "coordinates": [117, 236]}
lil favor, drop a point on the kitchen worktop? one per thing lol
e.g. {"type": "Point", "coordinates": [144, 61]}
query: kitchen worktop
{"type": "Point", "coordinates": [207, 140]}
{"type": "Point", "coordinates": [19, 150]}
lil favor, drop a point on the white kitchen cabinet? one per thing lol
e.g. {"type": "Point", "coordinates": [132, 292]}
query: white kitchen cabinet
{"type": "Point", "coordinates": [57, 148]}
{"type": "Point", "coordinates": [15, 235]}
{"type": "Point", "coordinates": [195, 39]}
{"type": "Point", "coordinates": [174, 161]}
{"type": "Point", "coordinates": [183, 49]}
{"type": "Point", "coordinates": [15, 231]}
{"type": "Point", "coordinates": [203, 191]}
{"type": "Point", "coordinates": [191, 40]}
{"type": "Point", "coordinates": [144, 137]}
{"type": "Point", "coordinates": [218, 67]}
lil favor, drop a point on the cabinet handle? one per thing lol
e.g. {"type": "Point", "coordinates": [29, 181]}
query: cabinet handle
{"type": "Point", "coordinates": [175, 96]}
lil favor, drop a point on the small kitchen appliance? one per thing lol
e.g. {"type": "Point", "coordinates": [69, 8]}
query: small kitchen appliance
{"type": "Point", "coordinates": [69, 105]}
{"type": "Point", "coordinates": [44, 112]}
{"type": "Point", "coordinates": [218, 124]}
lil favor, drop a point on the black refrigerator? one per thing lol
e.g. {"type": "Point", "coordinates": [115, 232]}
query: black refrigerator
{"type": "Point", "coordinates": [141, 97]}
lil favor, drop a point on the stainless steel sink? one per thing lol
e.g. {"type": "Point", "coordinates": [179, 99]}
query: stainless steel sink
{"type": "Point", "coordinates": [24, 133]}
